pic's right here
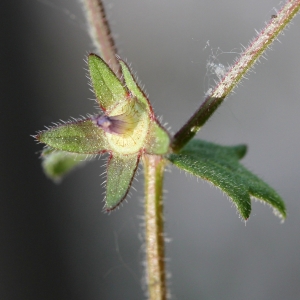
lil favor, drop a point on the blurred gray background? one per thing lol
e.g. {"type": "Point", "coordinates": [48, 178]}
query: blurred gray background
{"type": "Point", "coordinates": [55, 241]}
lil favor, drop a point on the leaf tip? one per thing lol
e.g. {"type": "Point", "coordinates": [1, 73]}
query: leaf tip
{"type": "Point", "coordinates": [36, 136]}
{"type": "Point", "coordinates": [244, 209]}
{"type": "Point", "coordinates": [241, 150]}
{"type": "Point", "coordinates": [108, 209]}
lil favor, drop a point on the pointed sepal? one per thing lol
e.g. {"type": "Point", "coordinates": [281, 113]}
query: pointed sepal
{"type": "Point", "coordinates": [132, 85]}
{"type": "Point", "coordinates": [83, 137]}
{"type": "Point", "coordinates": [120, 173]}
{"type": "Point", "coordinates": [57, 164]}
{"type": "Point", "coordinates": [108, 88]}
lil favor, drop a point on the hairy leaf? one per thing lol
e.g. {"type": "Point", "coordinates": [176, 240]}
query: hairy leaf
{"type": "Point", "coordinates": [220, 166]}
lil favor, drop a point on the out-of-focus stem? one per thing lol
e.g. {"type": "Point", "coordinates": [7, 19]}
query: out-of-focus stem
{"type": "Point", "coordinates": [154, 222]}
{"type": "Point", "coordinates": [247, 59]}
{"type": "Point", "coordinates": [101, 34]}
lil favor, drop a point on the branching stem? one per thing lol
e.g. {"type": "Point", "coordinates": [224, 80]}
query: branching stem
{"type": "Point", "coordinates": [247, 59]}
{"type": "Point", "coordinates": [154, 165]}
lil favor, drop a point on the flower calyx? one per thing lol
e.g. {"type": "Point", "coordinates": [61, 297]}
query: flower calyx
{"type": "Point", "coordinates": [126, 130]}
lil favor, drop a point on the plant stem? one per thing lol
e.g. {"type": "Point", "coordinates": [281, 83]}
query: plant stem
{"type": "Point", "coordinates": [154, 165]}
{"type": "Point", "coordinates": [156, 274]}
{"type": "Point", "coordinates": [247, 59]}
{"type": "Point", "coordinates": [101, 34]}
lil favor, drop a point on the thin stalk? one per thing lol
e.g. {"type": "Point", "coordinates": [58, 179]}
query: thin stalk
{"type": "Point", "coordinates": [101, 34]}
{"type": "Point", "coordinates": [247, 59]}
{"type": "Point", "coordinates": [154, 222]}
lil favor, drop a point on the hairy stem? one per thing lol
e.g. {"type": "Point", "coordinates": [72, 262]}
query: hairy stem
{"type": "Point", "coordinates": [247, 59]}
{"type": "Point", "coordinates": [156, 274]}
{"type": "Point", "coordinates": [101, 34]}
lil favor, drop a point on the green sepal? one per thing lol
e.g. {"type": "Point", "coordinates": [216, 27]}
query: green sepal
{"type": "Point", "coordinates": [108, 88]}
{"type": "Point", "coordinates": [158, 140]}
{"type": "Point", "coordinates": [56, 164]}
{"type": "Point", "coordinates": [120, 172]}
{"type": "Point", "coordinates": [82, 137]}
{"type": "Point", "coordinates": [220, 166]}
{"type": "Point", "coordinates": [132, 85]}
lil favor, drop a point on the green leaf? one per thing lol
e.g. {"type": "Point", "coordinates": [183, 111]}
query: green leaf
{"type": "Point", "coordinates": [57, 164]}
{"type": "Point", "coordinates": [108, 88]}
{"type": "Point", "coordinates": [220, 166]}
{"type": "Point", "coordinates": [132, 86]}
{"type": "Point", "coordinates": [158, 140]}
{"type": "Point", "coordinates": [82, 137]}
{"type": "Point", "coordinates": [120, 172]}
